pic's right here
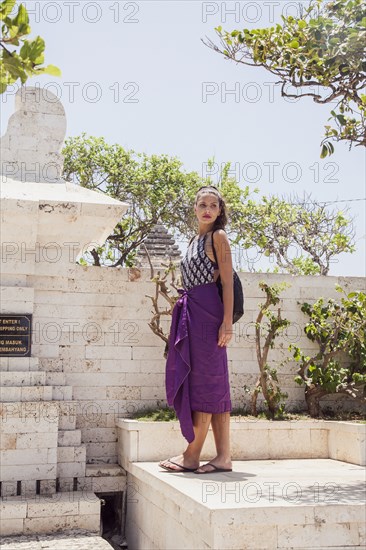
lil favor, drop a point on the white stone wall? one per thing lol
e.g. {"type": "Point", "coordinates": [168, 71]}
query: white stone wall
{"type": "Point", "coordinates": [90, 333]}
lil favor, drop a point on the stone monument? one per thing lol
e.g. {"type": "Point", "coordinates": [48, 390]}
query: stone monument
{"type": "Point", "coordinates": [46, 225]}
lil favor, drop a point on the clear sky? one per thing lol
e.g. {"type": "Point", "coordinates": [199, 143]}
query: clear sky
{"type": "Point", "coordinates": [138, 74]}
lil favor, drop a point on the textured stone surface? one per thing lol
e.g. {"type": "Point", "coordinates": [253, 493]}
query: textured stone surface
{"type": "Point", "coordinates": [262, 504]}
{"type": "Point", "coordinates": [68, 540]}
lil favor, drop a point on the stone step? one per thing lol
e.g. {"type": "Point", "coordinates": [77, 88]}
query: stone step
{"type": "Point", "coordinates": [55, 378]}
{"type": "Point", "coordinates": [262, 504]}
{"type": "Point", "coordinates": [103, 470]}
{"type": "Point", "coordinates": [102, 477]}
{"type": "Point", "coordinates": [62, 393]}
{"type": "Point", "coordinates": [19, 364]}
{"type": "Point", "coordinates": [71, 454]}
{"type": "Point", "coordinates": [72, 539]}
{"type": "Point", "coordinates": [25, 393]}
{"type": "Point", "coordinates": [22, 378]}
{"type": "Point", "coordinates": [35, 393]}
{"type": "Point", "coordinates": [50, 514]}
{"type": "Point", "coordinates": [67, 414]}
{"type": "Point", "coordinates": [18, 416]}
{"type": "Point", "coordinates": [69, 438]}
{"type": "Point", "coordinates": [70, 470]}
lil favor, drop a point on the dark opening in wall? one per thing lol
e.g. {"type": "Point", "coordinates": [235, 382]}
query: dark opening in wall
{"type": "Point", "coordinates": [112, 523]}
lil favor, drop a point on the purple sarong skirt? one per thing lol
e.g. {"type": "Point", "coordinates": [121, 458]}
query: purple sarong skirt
{"type": "Point", "coordinates": [196, 375]}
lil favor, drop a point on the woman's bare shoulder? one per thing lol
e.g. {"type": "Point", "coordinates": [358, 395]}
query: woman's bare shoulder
{"type": "Point", "coordinates": [220, 235]}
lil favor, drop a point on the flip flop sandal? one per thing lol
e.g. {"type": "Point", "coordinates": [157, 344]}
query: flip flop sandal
{"type": "Point", "coordinates": [216, 470]}
{"type": "Point", "coordinates": [184, 469]}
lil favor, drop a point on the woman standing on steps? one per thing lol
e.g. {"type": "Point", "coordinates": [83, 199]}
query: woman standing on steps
{"type": "Point", "coordinates": [197, 378]}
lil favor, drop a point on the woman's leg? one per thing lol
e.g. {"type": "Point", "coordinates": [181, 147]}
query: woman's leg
{"type": "Point", "coordinates": [191, 456]}
{"type": "Point", "coordinates": [221, 429]}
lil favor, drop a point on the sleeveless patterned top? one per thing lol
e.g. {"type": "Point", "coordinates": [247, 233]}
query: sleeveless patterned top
{"type": "Point", "coordinates": [196, 267]}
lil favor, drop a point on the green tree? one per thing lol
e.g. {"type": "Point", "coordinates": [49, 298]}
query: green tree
{"type": "Point", "coordinates": [320, 54]}
{"type": "Point", "coordinates": [303, 237]}
{"type": "Point", "coordinates": [30, 58]}
{"type": "Point", "coordinates": [159, 191]}
{"type": "Point", "coordinates": [339, 366]}
{"type": "Point", "coordinates": [156, 187]}
{"type": "Point", "coordinates": [265, 335]}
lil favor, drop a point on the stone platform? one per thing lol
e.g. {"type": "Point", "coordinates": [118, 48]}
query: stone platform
{"type": "Point", "coordinates": [302, 504]}
{"type": "Point", "coordinates": [69, 540]}
{"type": "Point", "coordinates": [48, 514]}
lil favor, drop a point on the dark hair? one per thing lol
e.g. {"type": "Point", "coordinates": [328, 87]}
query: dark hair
{"type": "Point", "coordinates": [221, 219]}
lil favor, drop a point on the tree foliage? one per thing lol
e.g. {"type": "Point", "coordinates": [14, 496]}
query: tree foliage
{"type": "Point", "coordinates": [320, 54]}
{"type": "Point", "coordinates": [265, 335]}
{"type": "Point", "coordinates": [158, 190]}
{"type": "Point", "coordinates": [30, 58]}
{"type": "Point", "coordinates": [303, 237]}
{"type": "Point", "coordinates": [339, 366]}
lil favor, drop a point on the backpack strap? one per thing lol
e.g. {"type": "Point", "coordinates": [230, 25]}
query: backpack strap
{"type": "Point", "coordinates": [213, 246]}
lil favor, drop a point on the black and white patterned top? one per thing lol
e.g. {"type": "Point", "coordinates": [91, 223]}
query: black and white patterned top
{"type": "Point", "coordinates": [196, 267]}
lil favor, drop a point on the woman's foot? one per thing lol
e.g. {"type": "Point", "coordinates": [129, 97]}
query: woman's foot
{"type": "Point", "coordinates": [218, 461]}
{"type": "Point", "coordinates": [182, 460]}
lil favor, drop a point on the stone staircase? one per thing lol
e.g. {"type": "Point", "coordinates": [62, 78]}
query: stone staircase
{"type": "Point", "coordinates": [30, 396]}
{"type": "Point", "coordinates": [42, 458]}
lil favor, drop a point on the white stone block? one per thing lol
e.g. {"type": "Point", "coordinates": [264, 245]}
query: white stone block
{"type": "Point", "coordinates": [80, 453]}
{"type": "Point", "coordinates": [69, 438]}
{"type": "Point", "coordinates": [89, 393]}
{"type": "Point", "coordinates": [12, 457]}
{"type": "Point", "coordinates": [55, 378]}
{"type": "Point", "coordinates": [70, 469]}
{"type": "Point", "coordinates": [52, 509]}
{"type": "Point", "coordinates": [102, 484]}
{"type": "Point", "coordinates": [101, 450]}
{"type": "Point", "coordinates": [8, 441]}
{"type": "Point", "coordinates": [65, 454]}
{"type": "Point", "coordinates": [29, 472]}
{"type": "Point", "coordinates": [123, 366]}
{"type": "Point", "coordinates": [11, 527]}
{"type": "Point", "coordinates": [62, 393]}
{"type": "Point", "coordinates": [47, 486]}
{"type": "Point", "coordinates": [36, 440]}
{"type": "Point", "coordinates": [52, 456]}
{"type": "Point", "coordinates": [322, 536]}
{"type": "Point", "coordinates": [28, 488]}
{"type": "Point", "coordinates": [13, 510]}
{"type": "Point", "coordinates": [91, 523]}
{"type": "Point", "coordinates": [123, 392]}
{"type": "Point", "coordinates": [96, 379]}
{"type": "Point", "coordinates": [28, 378]}
{"type": "Point", "coordinates": [67, 422]}
{"type": "Point", "coordinates": [148, 352]}
{"type": "Point", "coordinates": [108, 352]}
{"type": "Point", "coordinates": [43, 525]}
{"type": "Point", "coordinates": [99, 435]}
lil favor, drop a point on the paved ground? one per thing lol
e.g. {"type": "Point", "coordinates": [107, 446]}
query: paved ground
{"type": "Point", "coordinates": [72, 540]}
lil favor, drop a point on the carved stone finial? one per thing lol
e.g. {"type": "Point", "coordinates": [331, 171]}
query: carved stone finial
{"type": "Point", "coordinates": [31, 146]}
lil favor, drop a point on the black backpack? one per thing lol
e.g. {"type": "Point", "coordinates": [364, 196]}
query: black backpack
{"type": "Point", "coordinates": [238, 309]}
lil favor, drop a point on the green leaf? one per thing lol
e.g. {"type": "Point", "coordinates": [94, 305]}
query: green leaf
{"type": "Point", "coordinates": [6, 8]}
{"type": "Point", "coordinates": [52, 70]}
{"type": "Point", "coordinates": [324, 152]}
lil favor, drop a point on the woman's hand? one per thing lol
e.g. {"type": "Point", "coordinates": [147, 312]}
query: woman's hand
{"type": "Point", "coordinates": [225, 333]}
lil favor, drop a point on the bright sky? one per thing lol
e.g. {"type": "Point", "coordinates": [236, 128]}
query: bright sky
{"type": "Point", "coordinates": [138, 74]}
